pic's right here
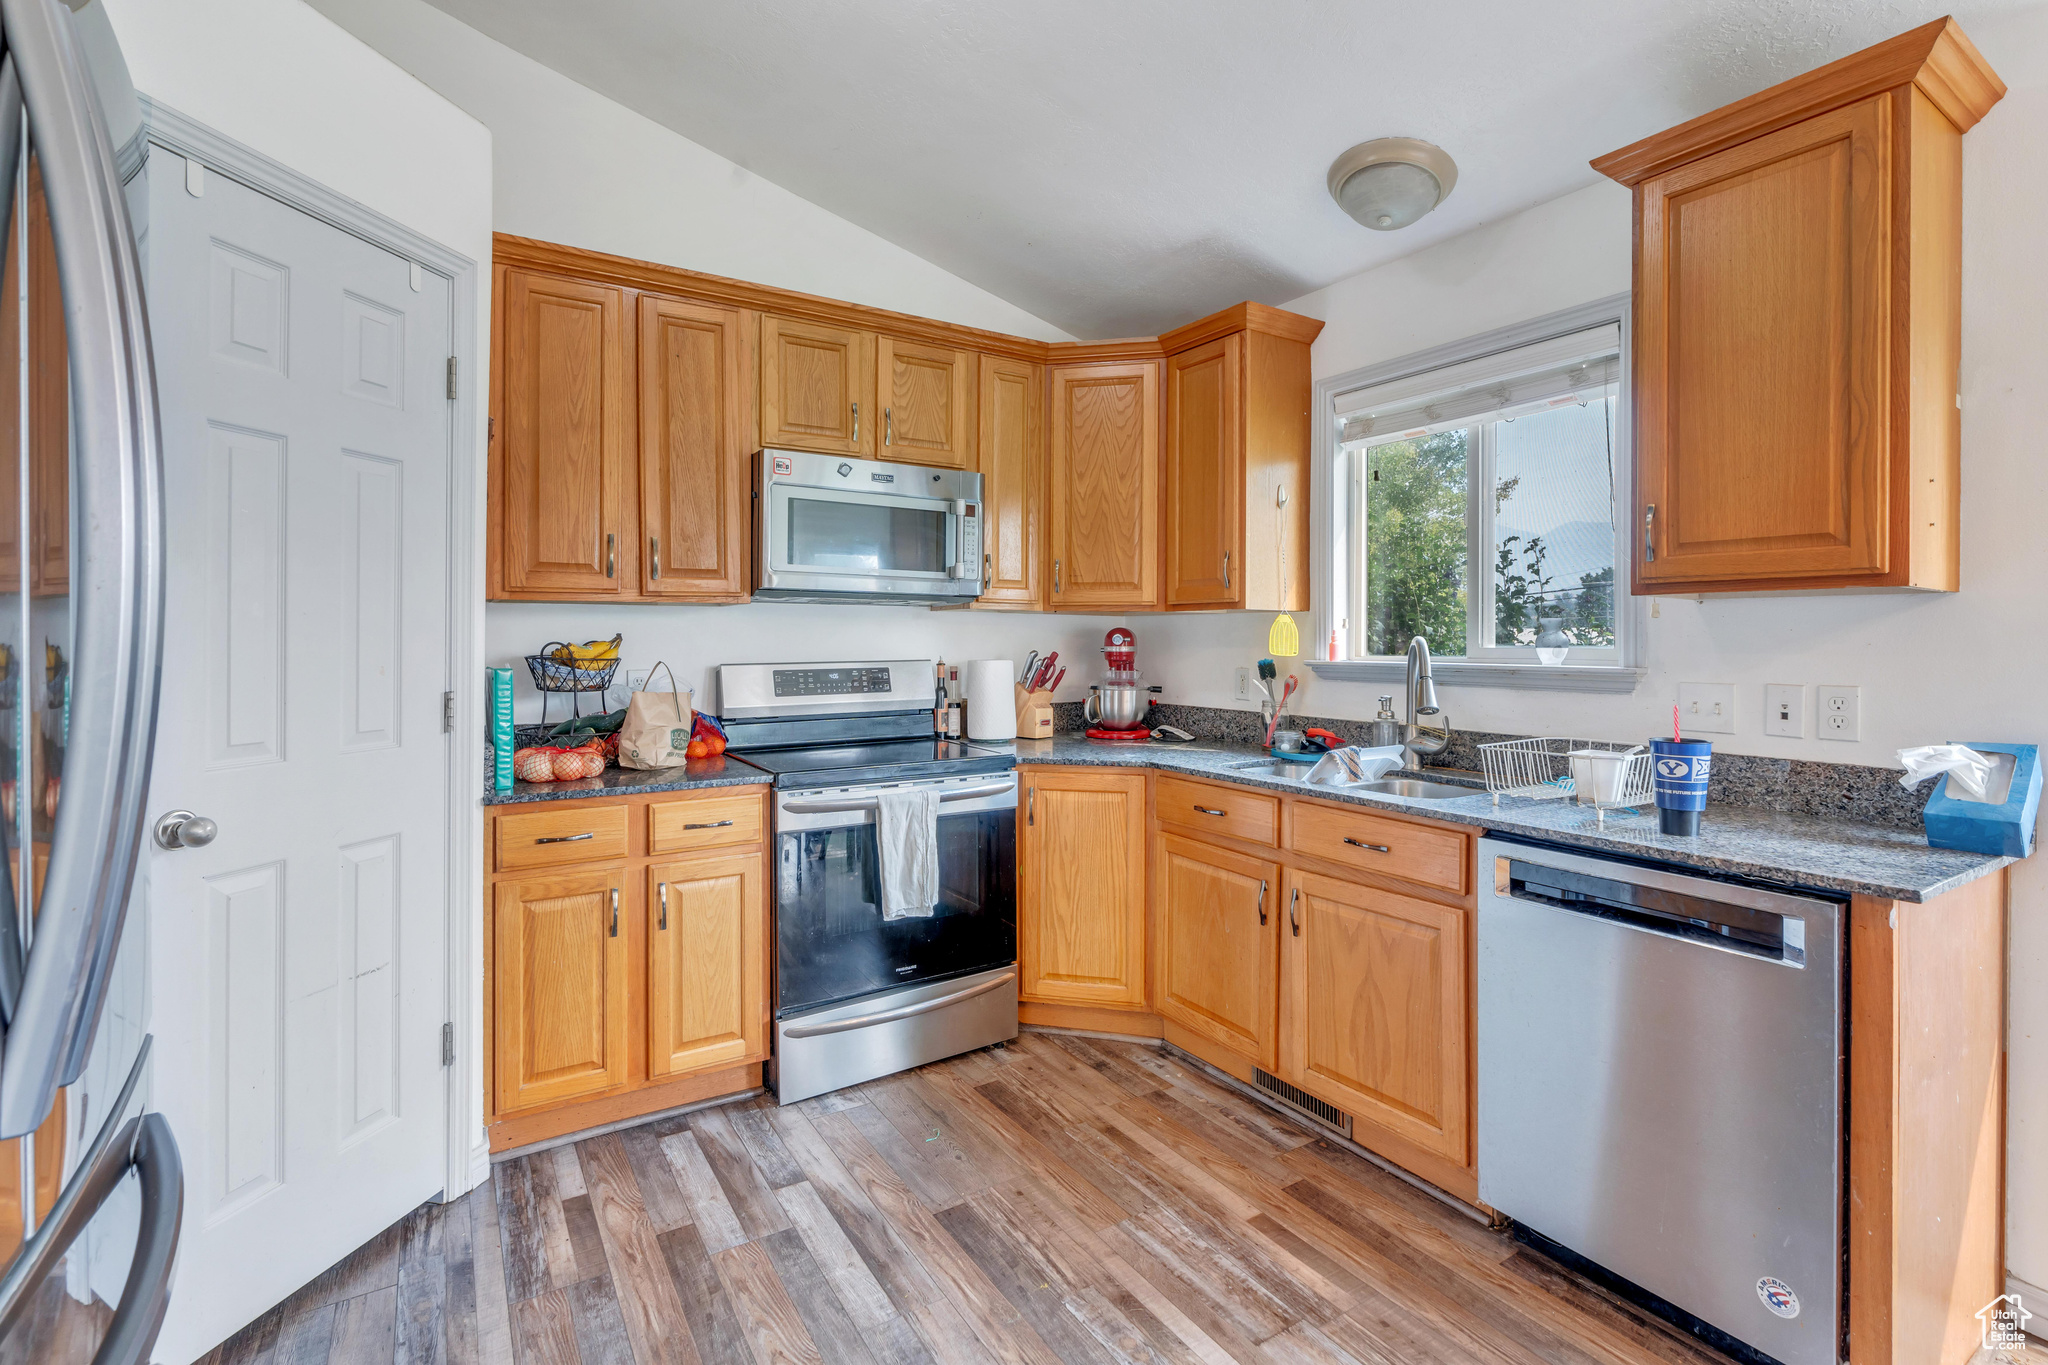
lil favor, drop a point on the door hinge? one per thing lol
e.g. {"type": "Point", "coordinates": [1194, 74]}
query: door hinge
{"type": "Point", "coordinates": [447, 1045]}
{"type": "Point", "coordinates": [451, 377]}
{"type": "Point", "coordinates": [447, 713]}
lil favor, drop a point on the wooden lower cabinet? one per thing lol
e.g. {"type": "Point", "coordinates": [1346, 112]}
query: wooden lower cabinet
{"type": "Point", "coordinates": [1081, 907]}
{"type": "Point", "coordinates": [1218, 945]}
{"type": "Point", "coordinates": [559, 986]}
{"type": "Point", "coordinates": [1375, 1015]}
{"type": "Point", "coordinates": [706, 973]}
{"type": "Point", "coordinates": [634, 980]}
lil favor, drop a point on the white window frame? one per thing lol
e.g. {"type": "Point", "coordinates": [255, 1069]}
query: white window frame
{"type": "Point", "coordinates": [1338, 574]}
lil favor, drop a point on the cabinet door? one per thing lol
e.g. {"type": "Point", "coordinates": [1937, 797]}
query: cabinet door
{"type": "Point", "coordinates": [558, 967]}
{"type": "Point", "coordinates": [1105, 486]}
{"type": "Point", "coordinates": [1205, 475]}
{"type": "Point", "coordinates": [1081, 924]}
{"type": "Point", "coordinates": [1374, 1009]}
{"type": "Point", "coordinates": [927, 400]}
{"type": "Point", "coordinates": [817, 387]}
{"type": "Point", "coordinates": [1011, 451]}
{"type": "Point", "coordinates": [694, 487]}
{"type": "Point", "coordinates": [1219, 945]}
{"type": "Point", "coordinates": [1762, 357]}
{"type": "Point", "coordinates": [707, 981]}
{"type": "Point", "coordinates": [565, 446]}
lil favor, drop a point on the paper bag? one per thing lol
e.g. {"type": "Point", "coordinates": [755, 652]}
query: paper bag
{"type": "Point", "coordinates": [656, 732]}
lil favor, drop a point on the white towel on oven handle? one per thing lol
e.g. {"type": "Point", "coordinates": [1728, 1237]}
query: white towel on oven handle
{"type": "Point", "coordinates": [907, 840]}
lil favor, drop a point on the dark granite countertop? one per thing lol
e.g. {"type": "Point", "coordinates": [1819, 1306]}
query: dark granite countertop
{"type": "Point", "coordinates": [698, 773]}
{"type": "Point", "coordinates": [1735, 841]}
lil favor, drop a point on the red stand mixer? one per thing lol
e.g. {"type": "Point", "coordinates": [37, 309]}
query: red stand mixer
{"type": "Point", "coordinates": [1116, 706]}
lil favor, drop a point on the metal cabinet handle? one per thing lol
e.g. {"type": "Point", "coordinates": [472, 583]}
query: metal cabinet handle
{"type": "Point", "coordinates": [1360, 843]}
{"type": "Point", "coordinates": [654, 556]}
{"type": "Point", "coordinates": [1209, 810]}
{"type": "Point", "coordinates": [1056, 577]}
{"type": "Point", "coordinates": [1262, 901]}
{"type": "Point", "coordinates": [661, 894]}
{"type": "Point", "coordinates": [856, 424]}
{"type": "Point", "coordinates": [1649, 525]}
{"type": "Point", "coordinates": [1294, 911]}
{"type": "Point", "coordinates": [566, 838]}
{"type": "Point", "coordinates": [615, 912]}
{"type": "Point", "coordinates": [611, 558]}
{"type": "Point", "coordinates": [1031, 807]}
{"type": "Point", "coordinates": [714, 824]}
{"type": "Point", "coordinates": [888, 426]}
{"type": "Point", "coordinates": [986, 576]}
{"type": "Point", "coordinates": [1226, 571]}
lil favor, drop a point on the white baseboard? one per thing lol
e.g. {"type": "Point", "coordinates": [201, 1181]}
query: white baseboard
{"type": "Point", "coordinates": [2030, 1293]}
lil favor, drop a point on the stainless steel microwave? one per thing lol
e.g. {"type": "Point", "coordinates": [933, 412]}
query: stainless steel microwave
{"type": "Point", "coordinates": [834, 529]}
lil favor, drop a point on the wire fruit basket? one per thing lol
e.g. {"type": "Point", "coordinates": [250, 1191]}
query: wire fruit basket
{"type": "Point", "coordinates": [1541, 770]}
{"type": "Point", "coordinates": [558, 669]}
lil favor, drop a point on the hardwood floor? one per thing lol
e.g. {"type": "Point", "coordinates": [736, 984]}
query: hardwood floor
{"type": "Point", "coordinates": [1065, 1199]}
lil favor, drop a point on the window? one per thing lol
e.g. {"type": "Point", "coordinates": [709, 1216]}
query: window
{"type": "Point", "coordinates": [1477, 502]}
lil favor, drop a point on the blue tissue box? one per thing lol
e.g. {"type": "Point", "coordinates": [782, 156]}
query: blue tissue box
{"type": "Point", "coordinates": [2001, 829]}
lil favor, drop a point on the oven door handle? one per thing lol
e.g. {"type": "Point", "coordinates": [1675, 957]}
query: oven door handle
{"type": "Point", "coordinates": [959, 794]}
{"type": "Point", "coordinates": [907, 1012]}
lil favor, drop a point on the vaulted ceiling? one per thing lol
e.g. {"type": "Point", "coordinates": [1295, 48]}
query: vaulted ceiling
{"type": "Point", "coordinates": [1121, 166]}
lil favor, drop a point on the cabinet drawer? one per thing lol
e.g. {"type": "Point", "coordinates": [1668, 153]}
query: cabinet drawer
{"type": "Point", "coordinates": [703, 822]}
{"type": "Point", "coordinates": [1206, 808]}
{"type": "Point", "coordinates": [1433, 857]}
{"type": "Point", "coordinates": [548, 838]}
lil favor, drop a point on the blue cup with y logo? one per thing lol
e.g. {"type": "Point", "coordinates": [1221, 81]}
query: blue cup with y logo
{"type": "Point", "coordinates": [1681, 768]}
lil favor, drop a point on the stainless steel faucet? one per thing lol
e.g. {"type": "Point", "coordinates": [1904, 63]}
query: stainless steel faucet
{"type": "Point", "coordinates": [1417, 740]}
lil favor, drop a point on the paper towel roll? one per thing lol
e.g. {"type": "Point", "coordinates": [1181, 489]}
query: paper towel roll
{"type": "Point", "coordinates": [991, 687]}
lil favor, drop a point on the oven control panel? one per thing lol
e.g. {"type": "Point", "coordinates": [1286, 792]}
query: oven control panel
{"type": "Point", "coordinates": [830, 682]}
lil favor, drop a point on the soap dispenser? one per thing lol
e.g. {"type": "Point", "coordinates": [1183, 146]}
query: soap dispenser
{"type": "Point", "coordinates": [1386, 727]}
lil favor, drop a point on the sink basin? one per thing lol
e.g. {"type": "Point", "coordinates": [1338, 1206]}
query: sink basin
{"type": "Point", "coordinates": [1414, 788]}
{"type": "Point", "coordinates": [1275, 767]}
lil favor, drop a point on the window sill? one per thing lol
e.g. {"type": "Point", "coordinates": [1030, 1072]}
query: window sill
{"type": "Point", "coordinates": [1460, 673]}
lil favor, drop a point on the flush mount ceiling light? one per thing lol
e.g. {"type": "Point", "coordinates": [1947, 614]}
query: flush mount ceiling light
{"type": "Point", "coordinates": [1390, 182]}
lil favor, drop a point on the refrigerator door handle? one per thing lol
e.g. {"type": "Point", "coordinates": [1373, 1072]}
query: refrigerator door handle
{"type": "Point", "coordinates": [117, 585]}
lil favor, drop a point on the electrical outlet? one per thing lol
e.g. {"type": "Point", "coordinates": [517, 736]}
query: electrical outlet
{"type": "Point", "coordinates": [1243, 689]}
{"type": "Point", "coordinates": [1785, 710]}
{"type": "Point", "coordinates": [636, 680]}
{"type": "Point", "coordinates": [1841, 711]}
{"type": "Point", "coordinates": [1706, 707]}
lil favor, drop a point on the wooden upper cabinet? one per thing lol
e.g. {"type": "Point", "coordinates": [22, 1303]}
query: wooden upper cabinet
{"type": "Point", "coordinates": [1081, 915]}
{"type": "Point", "coordinates": [1103, 503]}
{"type": "Point", "coordinates": [694, 485]}
{"type": "Point", "coordinates": [927, 403]}
{"type": "Point", "coordinates": [1218, 949]}
{"type": "Point", "coordinates": [559, 997]}
{"type": "Point", "coordinates": [817, 387]}
{"type": "Point", "coordinates": [707, 978]}
{"type": "Point", "coordinates": [1376, 1016]}
{"type": "Point", "coordinates": [1205, 475]}
{"type": "Point", "coordinates": [1010, 450]}
{"type": "Point", "coordinates": [564, 444]}
{"type": "Point", "coordinates": [1798, 325]}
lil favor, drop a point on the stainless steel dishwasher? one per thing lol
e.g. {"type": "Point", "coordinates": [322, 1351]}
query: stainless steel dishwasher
{"type": "Point", "coordinates": [1660, 1085]}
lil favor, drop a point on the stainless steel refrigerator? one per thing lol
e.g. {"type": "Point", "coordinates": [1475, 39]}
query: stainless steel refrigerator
{"type": "Point", "coordinates": [81, 605]}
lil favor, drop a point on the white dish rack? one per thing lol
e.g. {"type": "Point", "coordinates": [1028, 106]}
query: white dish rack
{"type": "Point", "coordinates": [1541, 770]}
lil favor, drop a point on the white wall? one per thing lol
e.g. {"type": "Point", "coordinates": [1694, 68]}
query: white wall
{"type": "Point", "coordinates": [1966, 666]}
{"type": "Point", "coordinates": [575, 167]}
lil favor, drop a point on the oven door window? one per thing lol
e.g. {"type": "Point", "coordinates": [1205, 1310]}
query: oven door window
{"type": "Point", "coordinates": [832, 942]}
{"type": "Point", "coordinates": [866, 537]}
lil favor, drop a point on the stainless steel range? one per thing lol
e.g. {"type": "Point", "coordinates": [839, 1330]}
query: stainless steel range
{"type": "Point", "coordinates": [858, 996]}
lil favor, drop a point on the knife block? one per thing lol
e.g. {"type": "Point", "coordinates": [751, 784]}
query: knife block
{"type": "Point", "coordinates": [1034, 714]}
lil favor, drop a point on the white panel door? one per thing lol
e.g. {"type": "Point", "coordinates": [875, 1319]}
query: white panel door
{"type": "Point", "coordinates": [297, 975]}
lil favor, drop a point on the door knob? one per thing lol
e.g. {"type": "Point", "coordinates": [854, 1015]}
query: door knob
{"type": "Point", "coordinates": [183, 829]}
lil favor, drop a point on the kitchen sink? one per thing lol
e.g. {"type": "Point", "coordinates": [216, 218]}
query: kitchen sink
{"type": "Point", "coordinates": [1414, 788]}
{"type": "Point", "coordinates": [1275, 768]}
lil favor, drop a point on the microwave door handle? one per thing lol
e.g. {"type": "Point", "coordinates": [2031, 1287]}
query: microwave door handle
{"type": "Point", "coordinates": [117, 585]}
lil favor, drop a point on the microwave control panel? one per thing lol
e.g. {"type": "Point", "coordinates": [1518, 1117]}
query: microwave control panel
{"type": "Point", "coordinates": [970, 539]}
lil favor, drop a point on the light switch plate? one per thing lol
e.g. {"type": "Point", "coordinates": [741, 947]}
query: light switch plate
{"type": "Point", "coordinates": [1706, 708]}
{"type": "Point", "coordinates": [1785, 710]}
{"type": "Point", "coordinates": [1841, 711]}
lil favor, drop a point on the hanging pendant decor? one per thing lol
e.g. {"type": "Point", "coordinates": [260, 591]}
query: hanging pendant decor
{"type": "Point", "coordinates": [1283, 641]}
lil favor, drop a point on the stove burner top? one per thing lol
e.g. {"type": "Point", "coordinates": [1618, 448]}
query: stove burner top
{"type": "Point", "coordinates": [839, 765]}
